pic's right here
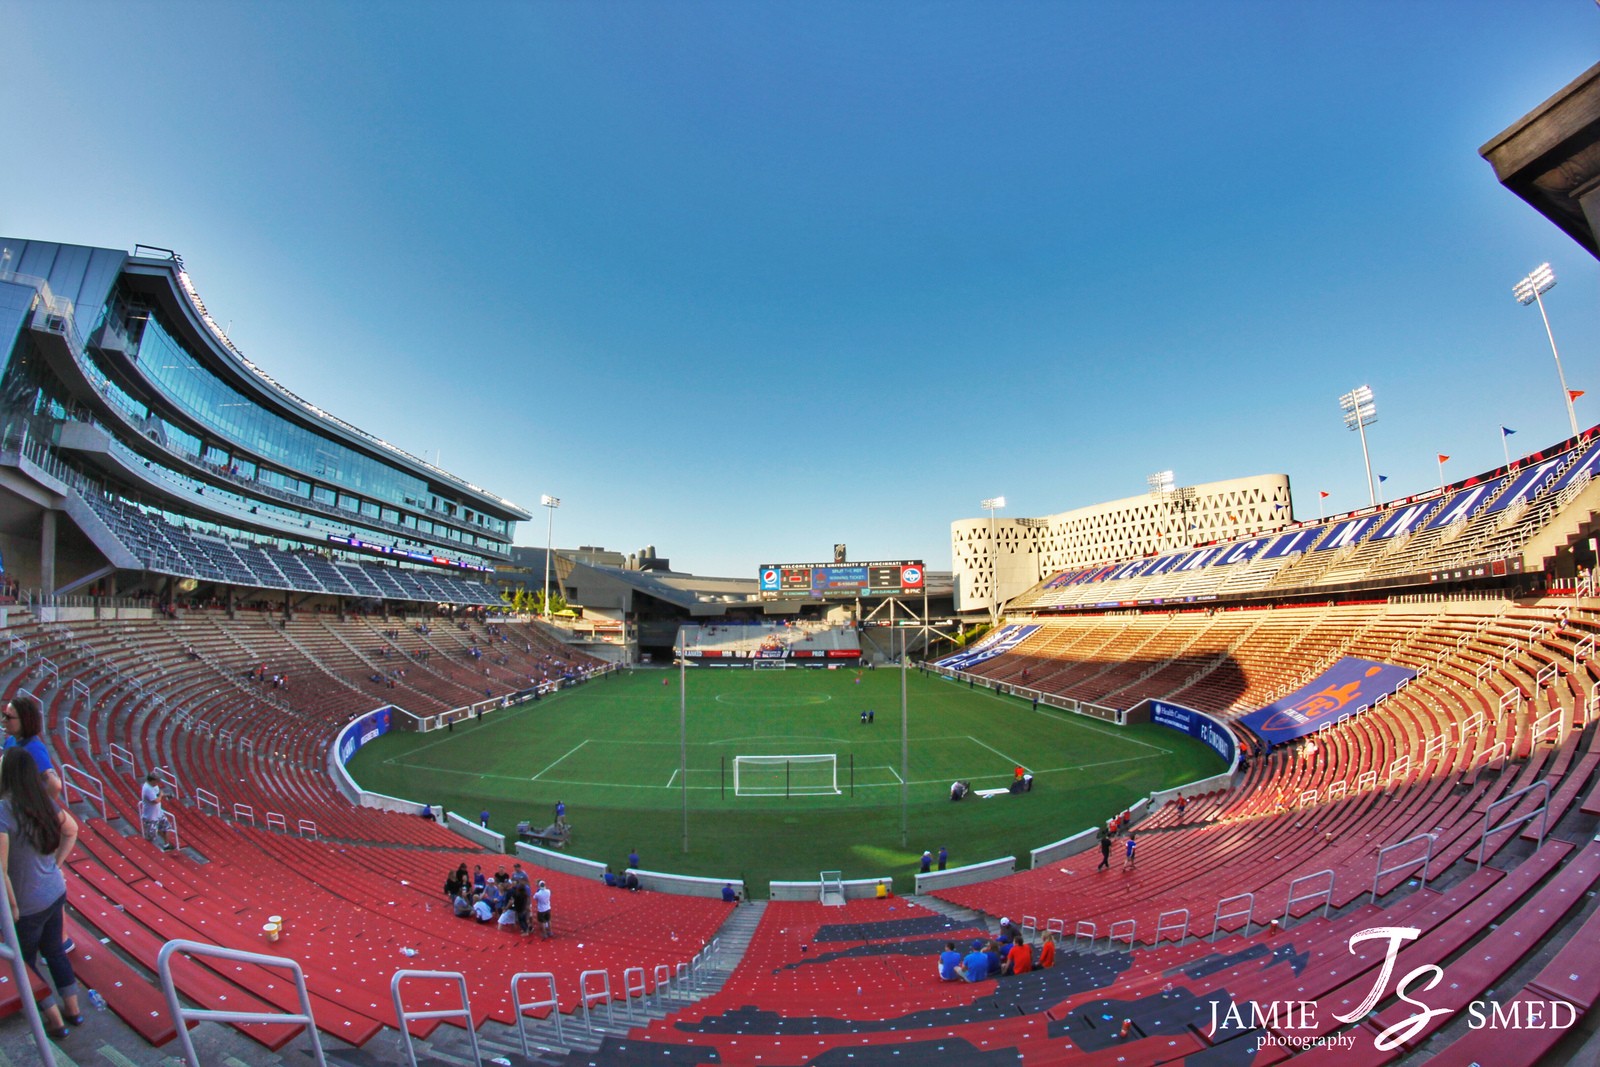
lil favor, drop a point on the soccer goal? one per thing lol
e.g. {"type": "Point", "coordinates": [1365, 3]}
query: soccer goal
{"type": "Point", "coordinates": [786, 776]}
{"type": "Point", "coordinates": [770, 664]}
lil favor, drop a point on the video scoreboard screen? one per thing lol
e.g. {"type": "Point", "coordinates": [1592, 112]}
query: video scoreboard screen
{"type": "Point", "coordinates": [819, 581]}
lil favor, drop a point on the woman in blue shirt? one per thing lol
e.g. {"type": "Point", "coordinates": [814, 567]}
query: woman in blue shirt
{"type": "Point", "coordinates": [36, 837]}
{"type": "Point", "coordinates": [24, 723]}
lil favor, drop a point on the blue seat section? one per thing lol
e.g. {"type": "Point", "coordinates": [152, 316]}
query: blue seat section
{"type": "Point", "coordinates": [1528, 484]}
{"type": "Point", "coordinates": [1403, 520]}
{"type": "Point", "coordinates": [1536, 477]}
{"type": "Point", "coordinates": [1586, 465]}
{"type": "Point", "coordinates": [1001, 641]}
{"type": "Point", "coordinates": [1460, 506]}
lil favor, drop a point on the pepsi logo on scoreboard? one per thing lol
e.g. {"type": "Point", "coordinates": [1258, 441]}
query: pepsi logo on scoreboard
{"type": "Point", "coordinates": [911, 577]}
{"type": "Point", "coordinates": [769, 579]}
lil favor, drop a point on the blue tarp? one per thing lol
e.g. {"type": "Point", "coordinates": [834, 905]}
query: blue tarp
{"type": "Point", "coordinates": [1339, 690]}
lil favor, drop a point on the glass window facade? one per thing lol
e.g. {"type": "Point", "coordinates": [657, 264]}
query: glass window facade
{"type": "Point", "coordinates": [365, 483]}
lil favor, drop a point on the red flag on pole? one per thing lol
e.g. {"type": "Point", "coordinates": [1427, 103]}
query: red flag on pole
{"type": "Point", "coordinates": [1443, 458]}
{"type": "Point", "coordinates": [1573, 394]}
{"type": "Point", "coordinates": [1322, 493]}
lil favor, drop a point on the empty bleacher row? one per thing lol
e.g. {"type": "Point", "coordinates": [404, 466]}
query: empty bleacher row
{"type": "Point", "coordinates": [856, 984]}
{"type": "Point", "coordinates": [1485, 520]}
{"type": "Point", "coordinates": [1503, 699]}
{"type": "Point", "coordinates": [167, 549]}
{"type": "Point", "coordinates": [196, 695]}
{"type": "Point", "coordinates": [1430, 761]}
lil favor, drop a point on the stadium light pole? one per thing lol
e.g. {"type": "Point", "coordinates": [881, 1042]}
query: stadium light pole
{"type": "Point", "coordinates": [1163, 486]}
{"type": "Point", "coordinates": [1359, 413]}
{"type": "Point", "coordinates": [991, 505]}
{"type": "Point", "coordinates": [1531, 290]}
{"type": "Point", "coordinates": [905, 752]}
{"type": "Point", "coordinates": [550, 502]}
{"type": "Point", "coordinates": [683, 730]}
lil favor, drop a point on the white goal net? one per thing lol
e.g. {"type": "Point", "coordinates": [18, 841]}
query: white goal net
{"type": "Point", "coordinates": [785, 776]}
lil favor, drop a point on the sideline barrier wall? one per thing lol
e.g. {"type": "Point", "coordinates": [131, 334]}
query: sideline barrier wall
{"type": "Point", "coordinates": [469, 829]}
{"type": "Point", "coordinates": [855, 889]}
{"type": "Point", "coordinates": [683, 885]}
{"type": "Point", "coordinates": [1082, 841]}
{"type": "Point", "coordinates": [557, 861]}
{"type": "Point", "coordinates": [987, 871]}
{"type": "Point", "coordinates": [1051, 700]}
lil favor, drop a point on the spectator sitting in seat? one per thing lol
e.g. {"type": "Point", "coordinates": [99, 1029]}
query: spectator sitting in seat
{"type": "Point", "coordinates": [996, 958]}
{"type": "Point", "coordinates": [1020, 959]}
{"type": "Point", "coordinates": [950, 963]}
{"type": "Point", "coordinates": [461, 905]}
{"type": "Point", "coordinates": [975, 967]}
{"type": "Point", "coordinates": [611, 876]}
{"type": "Point", "coordinates": [630, 882]}
{"type": "Point", "coordinates": [454, 882]}
{"type": "Point", "coordinates": [482, 910]}
{"type": "Point", "coordinates": [1047, 951]}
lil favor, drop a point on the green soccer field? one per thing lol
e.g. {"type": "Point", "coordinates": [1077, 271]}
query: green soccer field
{"type": "Point", "coordinates": [610, 749]}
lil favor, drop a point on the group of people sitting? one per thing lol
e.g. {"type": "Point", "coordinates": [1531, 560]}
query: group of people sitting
{"type": "Point", "coordinates": [505, 899]}
{"type": "Point", "coordinates": [626, 880]}
{"type": "Point", "coordinates": [996, 957]}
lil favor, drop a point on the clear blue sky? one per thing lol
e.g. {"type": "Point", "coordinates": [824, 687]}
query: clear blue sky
{"type": "Point", "coordinates": [741, 280]}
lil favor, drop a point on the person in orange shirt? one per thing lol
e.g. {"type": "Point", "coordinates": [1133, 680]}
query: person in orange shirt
{"type": "Point", "coordinates": [1020, 959]}
{"type": "Point", "coordinates": [1047, 951]}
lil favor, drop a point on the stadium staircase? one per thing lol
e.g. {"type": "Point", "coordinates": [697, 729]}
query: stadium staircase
{"type": "Point", "coordinates": [963, 916]}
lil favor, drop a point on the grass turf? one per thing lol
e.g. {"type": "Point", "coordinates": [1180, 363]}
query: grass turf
{"type": "Point", "coordinates": [610, 750]}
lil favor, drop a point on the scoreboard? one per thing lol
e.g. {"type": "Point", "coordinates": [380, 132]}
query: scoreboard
{"type": "Point", "coordinates": [820, 581]}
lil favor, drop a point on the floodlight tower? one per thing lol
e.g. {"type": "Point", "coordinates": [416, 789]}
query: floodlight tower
{"type": "Point", "coordinates": [1531, 290]}
{"type": "Point", "coordinates": [1181, 498]}
{"type": "Point", "coordinates": [552, 503]}
{"type": "Point", "coordinates": [991, 505]}
{"type": "Point", "coordinates": [1360, 412]}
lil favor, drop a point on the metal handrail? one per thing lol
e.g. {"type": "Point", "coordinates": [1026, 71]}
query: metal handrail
{"type": "Point", "coordinates": [181, 1015]}
{"type": "Point", "coordinates": [11, 951]}
{"type": "Point", "coordinates": [1426, 859]}
{"type": "Point", "coordinates": [522, 1007]}
{"type": "Point", "coordinates": [463, 1013]}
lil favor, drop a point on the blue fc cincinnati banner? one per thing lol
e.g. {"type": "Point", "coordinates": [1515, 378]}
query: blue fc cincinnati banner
{"type": "Point", "coordinates": [997, 643]}
{"type": "Point", "coordinates": [1340, 690]}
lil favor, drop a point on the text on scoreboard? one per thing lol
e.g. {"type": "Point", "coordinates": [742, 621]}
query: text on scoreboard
{"type": "Point", "coordinates": [819, 580]}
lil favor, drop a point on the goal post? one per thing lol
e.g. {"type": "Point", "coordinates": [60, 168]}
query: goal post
{"type": "Point", "coordinates": [786, 776]}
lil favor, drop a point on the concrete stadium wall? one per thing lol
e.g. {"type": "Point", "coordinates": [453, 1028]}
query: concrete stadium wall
{"type": "Point", "coordinates": [558, 861]}
{"type": "Point", "coordinates": [469, 829]}
{"type": "Point", "coordinates": [987, 871]}
{"type": "Point", "coordinates": [1082, 841]}
{"type": "Point", "coordinates": [685, 885]}
{"type": "Point", "coordinates": [855, 889]}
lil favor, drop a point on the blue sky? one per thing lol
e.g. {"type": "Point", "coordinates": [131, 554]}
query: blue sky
{"type": "Point", "coordinates": [742, 280]}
